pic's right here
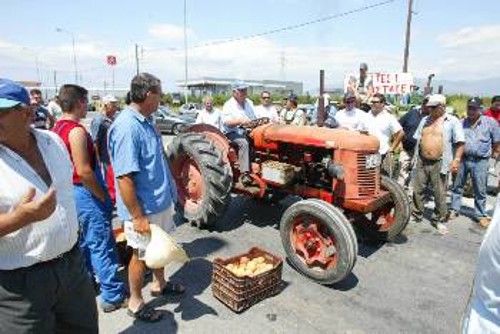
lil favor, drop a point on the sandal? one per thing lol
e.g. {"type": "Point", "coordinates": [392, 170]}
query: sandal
{"type": "Point", "coordinates": [169, 289]}
{"type": "Point", "coordinates": [145, 313]}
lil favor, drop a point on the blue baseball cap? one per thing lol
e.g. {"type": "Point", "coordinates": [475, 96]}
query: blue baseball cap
{"type": "Point", "coordinates": [12, 94]}
{"type": "Point", "coordinates": [293, 98]}
{"type": "Point", "coordinates": [239, 85]}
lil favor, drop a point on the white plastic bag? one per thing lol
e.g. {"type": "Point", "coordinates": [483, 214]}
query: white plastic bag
{"type": "Point", "coordinates": [162, 250]}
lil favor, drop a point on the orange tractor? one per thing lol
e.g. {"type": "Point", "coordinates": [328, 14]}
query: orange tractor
{"type": "Point", "coordinates": [335, 172]}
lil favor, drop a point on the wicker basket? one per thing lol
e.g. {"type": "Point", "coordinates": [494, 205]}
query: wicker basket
{"type": "Point", "coordinates": [239, 293]}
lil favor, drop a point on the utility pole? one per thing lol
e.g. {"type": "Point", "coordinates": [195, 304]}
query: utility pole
{"type": "Point", "coordinates": [320, 116]}
{"type": "Point", "coordinates": [55, 81]}
{"type": "Point", "coordinates": [137, 57]}
{"type": "Point", "coordinates": [185, 55]}
{"type": "Point", "coordinates": [74, 50]}
{"type": "Point", "coordinates": [282, 65]}
{"type": "Point", "coordinates": [408, 33]}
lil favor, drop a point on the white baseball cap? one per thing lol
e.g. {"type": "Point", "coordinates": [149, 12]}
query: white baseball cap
{"type": "Point", "coordinates": [436, 99]}
{"type": "Point", "coordinates": [109, 99]}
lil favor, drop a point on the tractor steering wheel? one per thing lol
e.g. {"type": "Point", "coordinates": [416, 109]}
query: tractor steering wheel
{"type": "Point", "coordinates": [255, 123]}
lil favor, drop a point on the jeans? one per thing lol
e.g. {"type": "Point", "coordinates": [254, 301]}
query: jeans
{"type": "Point", "coordinates": [97, 243]}
{"type": "Point", "coordinates": [243, 150]}
{"type": "Point", "coordinates": [478, 170]}
{"type": "Point", "coordinates": [428, 172]}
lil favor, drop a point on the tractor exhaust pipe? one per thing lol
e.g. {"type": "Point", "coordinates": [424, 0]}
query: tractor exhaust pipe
{"type": "Point", "coordinates": [320, 117]}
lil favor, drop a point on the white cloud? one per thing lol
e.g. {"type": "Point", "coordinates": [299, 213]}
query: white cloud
{"type": "Point", "coordinates": [169, 32]}
{"type": "Point", "coordinates": [469, 53]}
{"type": "Point", "coordinates": [256, 58]}
{"type": "Point", "coordinates": [471, 37]}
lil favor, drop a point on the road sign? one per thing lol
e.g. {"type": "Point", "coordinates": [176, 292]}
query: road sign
{"type": "Point", "coordinates": [111, 60]}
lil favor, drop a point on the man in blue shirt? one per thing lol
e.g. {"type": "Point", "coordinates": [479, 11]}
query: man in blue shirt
{"type": "Point", "coordinates": [482, 141]}
{"type": "Point", "coordinates": [146, 190]}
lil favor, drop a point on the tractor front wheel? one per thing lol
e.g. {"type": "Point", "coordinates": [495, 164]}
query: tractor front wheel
{"type": "Point", "coordinates": [388, 221]}
{"type": "Point", "coordinates": [319, 240]}
{"type": "Point", "coordinates": [202, 176]}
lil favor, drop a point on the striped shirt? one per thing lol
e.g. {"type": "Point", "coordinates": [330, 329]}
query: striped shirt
{"type": "Point", "coordinates": [44, 240]}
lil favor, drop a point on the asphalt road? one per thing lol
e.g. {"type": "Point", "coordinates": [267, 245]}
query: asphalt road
{"type": "Point", "coordinates": [419, 284]}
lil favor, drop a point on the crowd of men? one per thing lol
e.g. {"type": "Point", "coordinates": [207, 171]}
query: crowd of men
{"type": "Point", "coordinates": [56, 207]}
{"type": "Point", "coordinates": [59, 188]}
{"type": "Point", "coordinates": [436, 149]}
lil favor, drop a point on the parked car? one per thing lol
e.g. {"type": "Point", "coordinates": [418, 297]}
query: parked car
{"type": "Point", "coordinates": [190, 109]}
{"type": "Point", "coordinates": [309, 109]}
{"type": "Point", "coordinates": [168, 122]}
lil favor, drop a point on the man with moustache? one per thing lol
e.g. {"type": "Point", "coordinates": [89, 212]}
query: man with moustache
{"type": "Point", "coordinates": [482, 141]}
{"type": "Point", "coordinates": [44, 287]}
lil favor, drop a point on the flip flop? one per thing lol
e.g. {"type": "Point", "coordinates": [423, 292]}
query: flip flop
{"type": "Point", "coordinates": [146, 314]}
{"type": "Point", "coordinates": [169, 289]}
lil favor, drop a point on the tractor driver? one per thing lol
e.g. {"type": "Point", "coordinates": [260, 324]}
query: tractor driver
{"type": "Point", "coordinates": [238, 111]}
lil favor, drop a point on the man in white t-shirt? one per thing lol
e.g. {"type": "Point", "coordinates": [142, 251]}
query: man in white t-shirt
{"type": "Point", "coordinates": [291, 114]}
{"type": "Point", "coordinates": [210, 115]}
{"type": "Point", "coordinates": [266, 109]}
{"type": "Point", "coordinates": [386, 128]}
{"type": "Point", "coordinates": [54, 108]}
{"type": "Point", "coordinates": [350, 117]}
{"type": "Point", "coordinates": [239, 111]}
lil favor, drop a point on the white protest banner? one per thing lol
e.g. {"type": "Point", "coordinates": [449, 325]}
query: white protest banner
{"type": "Point", "coordinates": [392, 83]}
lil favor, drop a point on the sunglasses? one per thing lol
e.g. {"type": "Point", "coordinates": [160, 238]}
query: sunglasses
{"type": "Point", "coordinates": [376, 101]}
{"type": "Point", "coordinates": [266, 97]}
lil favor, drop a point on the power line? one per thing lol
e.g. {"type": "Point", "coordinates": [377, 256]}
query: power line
{"type": "Point", "coordinates": [286, 28]}
{"type": "Point", "coordinates": [251, 36]}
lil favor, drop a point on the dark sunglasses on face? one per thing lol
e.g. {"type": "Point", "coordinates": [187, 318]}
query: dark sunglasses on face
{"type": "Point", "coordinates": [266, 97]}
{"type": "Point", "coordinates": [350, 101]}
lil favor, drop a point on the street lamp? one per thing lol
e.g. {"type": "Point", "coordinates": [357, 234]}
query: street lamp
{"type": "Point", "coordinates": [74, 51]}
{"type": "Point", "coordinates": [38, 77]}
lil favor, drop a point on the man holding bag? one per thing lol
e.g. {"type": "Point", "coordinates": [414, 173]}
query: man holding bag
{"type": "Point", "coordinates": [146, 191]}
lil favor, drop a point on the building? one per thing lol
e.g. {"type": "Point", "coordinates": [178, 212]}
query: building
{"type": "Point", "coordinates": [214, 86]}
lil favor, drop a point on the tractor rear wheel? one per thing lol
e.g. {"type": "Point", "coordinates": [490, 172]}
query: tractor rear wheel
{"type": "Point", "coordinates": [319, 240]}
{"type": "Point", "coordinates": [202, 177]}
{"type": "Point", "coordinates": [387, 222]}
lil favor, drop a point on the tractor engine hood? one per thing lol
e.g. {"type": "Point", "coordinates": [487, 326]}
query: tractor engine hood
{"type": "Point", "coordinates": [269, 135]}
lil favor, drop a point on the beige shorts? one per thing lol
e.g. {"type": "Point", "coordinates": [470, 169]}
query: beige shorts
{"type": "Point", "coordinates": [164, 219]}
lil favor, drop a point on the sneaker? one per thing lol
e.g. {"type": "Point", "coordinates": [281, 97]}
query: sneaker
{"type": "Point", "coordinates": [484, 222]}
{"type": "Point", "coordinates": [441, 228]}
{"type": "Point", "coordinates": [452, 215]}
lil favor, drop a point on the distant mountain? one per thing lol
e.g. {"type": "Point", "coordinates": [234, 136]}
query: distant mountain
{"type": "Point", "coordinates": [484, 87]}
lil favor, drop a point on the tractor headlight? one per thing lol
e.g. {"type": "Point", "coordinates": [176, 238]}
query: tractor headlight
{"type": "Point", "coordinates": [372, 161]}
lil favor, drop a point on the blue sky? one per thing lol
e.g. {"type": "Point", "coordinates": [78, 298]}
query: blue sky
{"type": "Point", "coordinates": [454, 39]}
